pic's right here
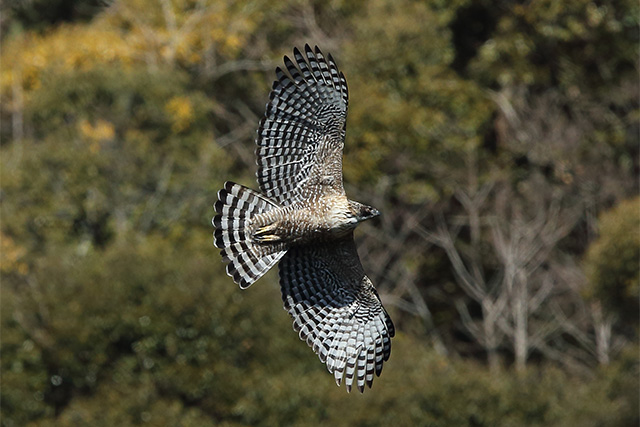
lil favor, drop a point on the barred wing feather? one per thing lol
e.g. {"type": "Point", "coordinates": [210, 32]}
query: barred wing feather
{"type": "Point", "coordinates": [301, 136]}
{"type": "Point", "coordinates": [336, 310]}
{"type": "Point", "coordinates": [247, 261]}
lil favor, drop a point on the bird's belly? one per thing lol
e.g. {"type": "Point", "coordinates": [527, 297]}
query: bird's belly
{"type": "Point", "coordinates": [300, 226]}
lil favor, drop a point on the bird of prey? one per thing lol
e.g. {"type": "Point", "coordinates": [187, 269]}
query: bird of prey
{"type": "Point", "coordinates": [302, 218]}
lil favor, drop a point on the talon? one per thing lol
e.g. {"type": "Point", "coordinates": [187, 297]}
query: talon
{"type": "Point", "coordinates": [261, 231]}
{"type": "Point", "coordinates": [267, 238]}
{"type": "Point", "coordinates": [264, 234]}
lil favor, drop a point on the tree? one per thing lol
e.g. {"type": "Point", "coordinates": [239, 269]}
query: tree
{"type": "Point", "coordinates": [611, 262]}
{"type": "Point", "coordinates": [492, 139]}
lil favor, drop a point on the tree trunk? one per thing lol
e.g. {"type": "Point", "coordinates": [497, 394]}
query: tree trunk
{"type": "Point", "coordinates": [602, 326]}
{"type": "Point", "coordinates": [520, 321]}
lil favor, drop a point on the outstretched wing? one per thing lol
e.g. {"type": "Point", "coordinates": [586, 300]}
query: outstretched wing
{"type": "Point", "coordinates": [301, 136]}
{"type": "Point", "coordinates": [336, 310]}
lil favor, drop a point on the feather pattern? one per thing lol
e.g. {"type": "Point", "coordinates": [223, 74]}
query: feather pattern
{"type": "Point", "coordinates": [302, 218]}
{"type": "Point", "coordinates": [301, 136]}
{"type": "Point", "coordinates": [248, 261]}
{"type": "Point", "coordinates": [336, 310]}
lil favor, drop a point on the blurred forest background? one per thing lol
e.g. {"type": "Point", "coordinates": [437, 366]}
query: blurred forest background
{"type": "Point", "coordinates": [499, 139]}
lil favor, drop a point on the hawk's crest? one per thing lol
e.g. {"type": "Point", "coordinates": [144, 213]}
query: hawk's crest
{"type": "Point", "coordinates": [303, 219]}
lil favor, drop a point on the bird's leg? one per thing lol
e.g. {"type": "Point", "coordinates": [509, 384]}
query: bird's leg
{"type": "Point", "coordinates": [266, 233]}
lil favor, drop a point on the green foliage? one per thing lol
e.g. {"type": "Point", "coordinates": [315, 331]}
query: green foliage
{"type": "Point", "coordinates": [559, 76]}
{"type": "Point", "coordinates": [611, 263]}
{"type": "Point", "coordinates": [408, 100]}
{"type": "Point", "coordinates": [542, 43]}
{"type": "Point", "coordinates": [40, 14]}
{"type": "Point", "coordinates": [114, 148]}
{"type": "Point", "coordinates": [123, 122]}
{"type": "Point", "coordinates": [144, 335]}
{"type": "Point", "coordinates": [140, 317]}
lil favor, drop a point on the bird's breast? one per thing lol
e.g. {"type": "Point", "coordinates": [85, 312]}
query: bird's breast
{"type": "Point", "coordinates": [321, 221]}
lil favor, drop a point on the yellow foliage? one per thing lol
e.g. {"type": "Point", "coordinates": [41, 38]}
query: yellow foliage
{"type": "Point", "coordinates": [181, 113]}
{"type": "Point", "coordinates": [70, 47]}
{"type": "Point", "coordinates": [101, 131]}
{"type": "Point", "coordinates": [183, 32]}
{"type": "Point", "coordinates": [11, 256]}
{"type": "Point", "coordinates": [131, 32]}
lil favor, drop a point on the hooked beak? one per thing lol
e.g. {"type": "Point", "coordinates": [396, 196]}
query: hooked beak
{"type": "Point", "coordinates": [371, 213]}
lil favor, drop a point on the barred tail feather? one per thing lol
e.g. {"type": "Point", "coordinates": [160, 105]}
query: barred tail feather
{"type": "Point", "coordinates": [247, 260]}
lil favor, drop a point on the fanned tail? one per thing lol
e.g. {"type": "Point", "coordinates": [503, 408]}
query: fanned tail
{"type": "Point", "coordinates": [248, 260]}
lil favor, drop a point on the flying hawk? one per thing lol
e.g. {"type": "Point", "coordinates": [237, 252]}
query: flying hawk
{"type": "Point", "coordinates": [302, 218]}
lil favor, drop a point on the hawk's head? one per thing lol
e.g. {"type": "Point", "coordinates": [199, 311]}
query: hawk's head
{"type": "Point", "coordinates": [362, 212]}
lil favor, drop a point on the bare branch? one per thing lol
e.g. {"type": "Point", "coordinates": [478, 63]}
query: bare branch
{"type": "Point", "coordinates": [242, 65]}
